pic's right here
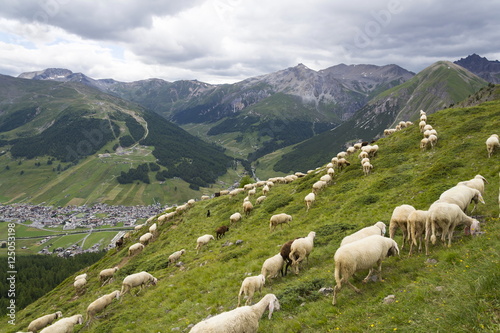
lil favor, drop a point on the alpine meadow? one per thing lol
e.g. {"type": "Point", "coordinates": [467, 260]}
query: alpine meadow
{"type": "Point", "coordinates": [453, 289]}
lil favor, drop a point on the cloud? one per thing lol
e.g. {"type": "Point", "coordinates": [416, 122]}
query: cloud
{"type": "Point", "coordinates": [220, 41]}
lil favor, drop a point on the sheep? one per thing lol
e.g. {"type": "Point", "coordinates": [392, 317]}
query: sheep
{"type": "Point", "coordinates": [64, 325]}
{"type": "Point", "coordinates": [153, 228]}
{"type": "Point", "coordinates": [279, 219]}
{"type": "Point", "coordinates": [341, 155]}
{"type": "Point", "coordinates": [409, 123]}
{"type": "Point", "coordinates": [477, 183]}
{"type": "Point", "coordinates": [175, 256]}
{"type": "Point", "coordinates": [106, 274]}
{"type": "Point", "coordinates": [80, 285]}
{"type": "Point", "coordinates": [205, 197]}
{"type": "Point", "coordinates": [326, 178]}
{"type": "Point", "coordinates": [427, 127]}
{"type": "Point", "coordinates": [361, 255]}
{"type": "Point", "coordinates": [146, 238]}
{"type": "Point", "coordinates": [251, 192]}
{"type": "Point", "coordinates": [81, 276]}
{"type": "Point", "coordinates": [249, 286]}
{"type": "Point", "coordinates": [421, 125]}
{"type": "Point", "coordinates": [331, 172]}
{"type": "Point", "coordinates": [378, 228]}
{"type": "Point", "coordinates": [367, 168]}
{"type": "Point", "coordinates": [100, 304]}
{"type": "Point", "coordinates": [491, 143]}
{"type": "Point", "coordinates": [235, 217]}
{"type": "Point", "coordinates": [309, 200]}
{"type": "Point", "coordinates": [135, 248]}
{"type": "Point", "coordinates": [139, 226]}
{"type": "Point", "coordinates": [119, 242]}
{"type": "Point", "coordinates": [364, 160]}
{"type": "Point", "coordinates": [224, 192]}
{"type": "Point", "coordinates": [416, 228]}
{"type": "Point", "coordinates": [433, 140]}
{"type": "Point", "coordinates": [351, 150]}
{"type": "Point", "coordinates": [43, 321]}
{"type": "Point", "coordinates": [317, 186]}
{"type": "Point", "coordinates": [424, 143]}
{"type": "Point", "coordinates": [423, 117]}
{"type": "Point", "coordinates": [446, 216]}
{"type": "Point", "coordinates": [285, 254]}
{"type": "Point", "coordinates": [137, 280]}
{"type": "Point", "coordinates": [462, 196]}
{"type": "Point", "coordinates": [342, 163]}
{"type": "Point", "coordinates": [265, 190]}
{"type": "Point", "coordinates": [244, 319]}
{"type": "Point", "coordinates": [181, 208]}
{"type": "Point", "coordinates": [357, 145]}
{"type": "Point", "coordinates": [272, 266]}
{"type": "Point", "coordinates": [301, 249]}
{"type": "Point", "coordinates": [247, 207]}
{"type": "Point", "coordinates": [260, 199]}
{"type": "Point", "coordinates": [202, 240]}
{"type": "Point", "coordinates": [221, 231]}
{"type": "Point", "coordinates": [422, 112]}
{"type": "Point", "coordinates": [399, 219]}
{"type": "Point", "coordinates": [362, 155]}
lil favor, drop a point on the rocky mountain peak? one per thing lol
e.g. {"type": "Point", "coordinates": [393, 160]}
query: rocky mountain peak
{"type": "Point", "coordinates": [486, 69]}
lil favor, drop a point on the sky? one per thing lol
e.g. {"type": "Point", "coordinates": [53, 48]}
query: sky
{"type": "Point", "coordinates": [226, 41]}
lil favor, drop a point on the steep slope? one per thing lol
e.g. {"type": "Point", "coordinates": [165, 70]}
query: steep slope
{"type": "Point", "coordinates": [486, 69]}
{"type": "Point", "coordinates": [428, 291]}
{"type": "Point", "coordinates": [438, 86]}
{"type": "Point", "coordinates": [68, 122]}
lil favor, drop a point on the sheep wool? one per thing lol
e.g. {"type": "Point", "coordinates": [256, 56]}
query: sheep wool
{"type": "Point", "coordinates": [202, 240]}
{"type": "Point", "coordinates": [107, 274]}
{"type": "Point", "coordinates": [378, 228]}
{"type": "Point", "coordinates": [243, 319]}
{"type": "Point", "coordinates": [301, 249]}
{"type": "Point", "coordinates": [100, 304]}
{"type": "Point", "coordinates": [135, 248]}
{"type": "Point", "coordinates": [462, 196]}
{"type": "Point", "coordinates": [272, 266]}
{"type": "Point", "coordinates": [175, 256]}
{"type": "Point", "coordinates": [140, 279]}
{"type": "Point", "coordinates": [399, 219]}
{"type": "Point", "coordinates": [309, 200]}
{"type": "Point", "coordinates": [279, 219]}
{"type": "Point", "coordinates": [491, 143]}
{"type": "Point", "coordinates": [43, 321]}
{"type": "Point", "coordinates": [64, 325]}
{"type": "Point", "coordinates": [249, 286]}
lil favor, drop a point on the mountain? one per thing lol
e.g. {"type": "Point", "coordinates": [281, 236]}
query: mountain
{"type": "Point", "coordinates": [436, 87]}
{"type": "Point", "coordinates": [486, 69]}
{"type": "Point", "coordinates": [427, 291]}
{"type": "Point", "coordinates": [82, 129]}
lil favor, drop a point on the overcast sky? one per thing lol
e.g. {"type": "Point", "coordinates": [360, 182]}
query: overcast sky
{"type": "Point", "coordinates": [225, 41]}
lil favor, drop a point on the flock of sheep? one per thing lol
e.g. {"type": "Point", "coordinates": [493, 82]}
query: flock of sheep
{"type": "Point", "coordinates": [362, 250]}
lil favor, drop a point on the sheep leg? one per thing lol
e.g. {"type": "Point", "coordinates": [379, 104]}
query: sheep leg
{"type": "Point", "coordinates": [370, 272]}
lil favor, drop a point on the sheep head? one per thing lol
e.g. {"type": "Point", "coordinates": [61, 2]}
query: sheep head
{"type": "Point", "coordinates": [274, 304]}
{"type": "Point", "coordinates": [393, 250]}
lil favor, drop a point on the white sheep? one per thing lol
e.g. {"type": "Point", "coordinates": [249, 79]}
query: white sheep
{"type": "Point", "coordinates": [342, 163]}
{"type": "Point", "coordinates": [135, 248]}
{"type": "Point", "coordinates": [361, 255]}
{"type": "Point", "coordinates": [477, 183]}
{"type": "Point", "coordinates": [80, 285]}
{"type": "Point", "coordinates": [43, 321]}
{"type": "Point", "coordinates": [260, 199]}
{"type": "Point", "coordinates": [249, 286]}
{"type": "Point", "coordinates": [202, 240]}
{"type": "Point", "coordinates": [362, 155]}
{"type": "Point", "coordinates": [330, 171]}
{"type": "Point", "coordinates": [140, 279]}
{"type": "Point", "coordinates": [100, 304]}
{"type": "Point", "coordinates": [433, 140]}
{"type": "Point", "coordinates": [351, 150]}
{"type": "Point", "coordinates": [427, 127]}
{"type": "Point", "coordinates": [309, 200]}
{"type": "Point", "coordinates": [317, 186]}
{"type": "Point", "coordinates": [235, 217]}
{"type": "Point", "coordinates": [367, 167]}
{"type": "Point", "coordinates": [205, 197]}
{"type": "Point", "coordinates": [462, 196]}
{"type": "Point", "coordinates": [64, 325]}
{"type": "Point", "coordinates": [424, 143]}
{"type": "Point", "coordinates": [81, 276]}
{"type": "Point", "coordinates": [279, 219]}
{"type": "Point", "coordinates": [251, 192]}
{"type": "Point", "coordinates": [247, 208]}
{"type": "Point", "coordinates": [106, 274]}
{"type": "Point", "coordinates": [378, 228]}
{"type": "Point", "coordinates": [491, 143]}
{"type": "Point", "coordinates": [358, 145]}
{"type": "Point", "coordinates": [146, 238]}
{"type": "Point", "coordinates": [301, 249]}
{"type": "Point", "coordinates": [399, 219]}
{"type": "Point", "coordinates": [243, 319]}
{"type": "Point", "coordinates": [224, 192]}
{"type": "Point", "coordinates": [138, 227]}
{"type": "Point", "coordinates": [265, 190]}
{"type": "Point", "coordinates": [326, 178]}
{"type": "Point", "coordinates": [423, 117]}
{"type": "Point", "coordinates": [272, 266]}
{"type": "Point", "coordinates": [175, 256]}
{"type": "Point", "coordinates": [416, 228]}
{"type": "Point", "coordinates": [342, 154]}
{"type": "Point", "coordinates": [364, 160]}
{"type": "Point", "coordinates": [153, 228]}
{"type": "Point", "coordinates": [421, 125]}
{"type": "Point", "coordinates": [446, 216]}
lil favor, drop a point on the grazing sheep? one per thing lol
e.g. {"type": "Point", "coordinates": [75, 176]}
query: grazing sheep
{"type": "Point", "coordinates": [367, 167]}
{"type": "Point", "coordinates": [135, 248]}
{"type": "Point", "coordinates": [43, 321]}
{"type": "Point", "coordinates": [249, 286]}
{"type": "Point", "coordinates": [399, 219]}
{"type": "Point", "coordinates": [361, 255]}
{"type": "Point", "coordinates": [285, 254]}
{"type": "Point", "coordinates": [64, 325]}
{"type": "Point", "coordinates": [491, 143]}
{"type": "Point", "coordinates": [260, 199]}
{"type": "Point", "coordinates": [362, 155]}
{"type": "Point", "coordinates": [342, 154]}
{"type": "Point", "coordinates": [421, 125]}
{"type": "Point", "coordinates": [202, 240]}
{"type": "Point", "coordinates": [251, 192]}
{"type": "Point", "coordinates": [342, 163]}
{"type": "Point", "coordinates": [137, 280]}
{"type": "Point", "coordinates": [119, 242]}
{"type": "Point", "coordinates": [326, 178]}
{"type": "Point", "coordinates": [446, 216]}
{"type": "Point", "coordinates": [81, 276]}
{"type": "Point", "coordinates": [205, 197]}
{"type": "Point", "coordinates": [330, 171]}
{"type": "Point", "coordinates": [376, 229]}
{"type": "Point", "coordinates": [364, 160]}
{"type": "Point", "coordinates": [279, 219]}
{"type": "Point", "coordinates": [433, 140]}
{"type": "Point", "coordinates": [224, 192]}
{"type": "Point", "coordinates": [221, 231]}
{"type": "Point", "coordinates": [80, 285]}
{"type": "Point", "coordinates": [244, 319]}
{"type": "Point", "coordinates": [181, 208]}
{"type": "Point", "coordinates": [272, 266]}
{"type": "Point", "coordinates": [106, 274]}
{"type": "Point", "coordinates": [265, 190]}
{"type": "Point", "coordinates": [427, 127]}
{"type": "Point", "coordinates": [235, 217]}
{"type": "Point", "coordinates": [138, 227]}
{"type": "Point", "coordinates": [477, 183]}
{"type": "Point", "coordinates": [423, 117]}
{"type": "Point", "coordinates": [357, 145]}
{"type": "Point", "coordinates": [301, 249]}
{"type": "Point", "coordinates": [146, 238]}
{"type": "Point", "coordinates": [424, 143]}
{"type": "Point", "coordinates": [416, 228]}
{"type": "Point", "coordinates": [153, 228]}
{"type": "Point", "coordinates": [247, 208]}
{"type": "Point", "coordinates": [309, 199]}
{"type": "Point", "coordinates": [462, 196]}
{"type": "Point", "coordinates": [175, 256]}
{"type": "Point", "coordinates": [317, 186]}
{"type": "Point", "coordinates": [100, 304]}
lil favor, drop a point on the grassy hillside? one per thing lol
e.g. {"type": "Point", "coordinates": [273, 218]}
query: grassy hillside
{"type": "Point", "coordinates": [456, 291]}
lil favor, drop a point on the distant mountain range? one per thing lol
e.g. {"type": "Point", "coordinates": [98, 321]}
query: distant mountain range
{"type": "Point", "coordinates": [486, 69]}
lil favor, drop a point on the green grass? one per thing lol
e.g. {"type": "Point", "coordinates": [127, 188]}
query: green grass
{"type": "Point", "coordinates": [459, 292]}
